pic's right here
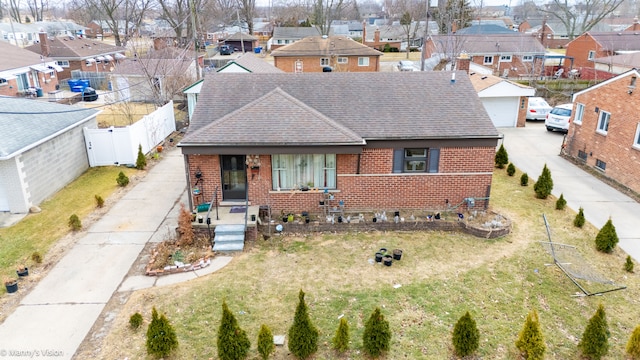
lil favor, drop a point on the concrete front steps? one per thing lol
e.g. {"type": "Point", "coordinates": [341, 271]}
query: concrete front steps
{"type": "Point", "coordinates": [229, 238]}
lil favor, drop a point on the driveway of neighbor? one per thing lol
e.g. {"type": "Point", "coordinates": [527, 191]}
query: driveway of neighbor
{"type": "Point", "coordinates": [529, 148]}
{"type": "Point", "coordinates": [54, 318]}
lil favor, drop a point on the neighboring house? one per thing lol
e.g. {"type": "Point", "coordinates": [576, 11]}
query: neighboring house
{"type": "Point", "coordinates": [508, 55]}
{"type": "Point", "coordinates": [25, 34]}
{"type": "Point", "coordinates": [484, 29]}
{"type": "Point", "coordinates": [354, 28]}
{"type": "Point", "coordinates": [618, 64]}
{"type": "Point", "coordinates": [246, 63]}
{"type": "Point", "coordinates": [288, 35]}
{"type": "Point", "coordinates": [505, 101]}
{"type": "Point", "coordinates": [326, 53]}
{"type": "Point", "coordinates": [394, 36]}
{"type": "Point", "coordinates": [605, 131]}
{"type": "Point", "coordinates": [101, 28]}
{"type": "Point", "coordinates": [163, 38]}
{"type": "Point", "coordinates": [22, 71]}
{"type": "Point", "coordinates": [497, 11]}
{"type": "Point", "coordinates": [72, 53]}
{"type": "Point", "coordinates": [151, 80]}
{"type": "Point", "coordinates": [241, 41]}
{"type": "Point", "coordinates": [377, 141]}
{"type": "Point", "coordinates": [43, 150]}
{"type": "Point", "coordinates": [592, 45]}
{"type": "Point", "coordinates": [59, 28]}
{"type": "Point", "coordinates": [505, 22]}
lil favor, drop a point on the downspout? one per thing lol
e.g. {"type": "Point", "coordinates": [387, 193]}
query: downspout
{"type": "Point", "coordinates": [358, 166]}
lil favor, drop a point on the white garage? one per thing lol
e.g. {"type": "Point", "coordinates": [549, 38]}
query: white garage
{"type": "Point", "coordinates": [502, 98]}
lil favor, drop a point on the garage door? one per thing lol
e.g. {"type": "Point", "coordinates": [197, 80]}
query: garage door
{"type": "Point", "coordinates": [502, 111]}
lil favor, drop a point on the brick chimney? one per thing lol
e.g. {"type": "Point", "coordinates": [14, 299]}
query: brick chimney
{"type": "Point", "coordinates": [45, 48]}
{"type": "Point", "coordinates": [463, 62]}
{"type": "Point", "coordinates": [376, 36]}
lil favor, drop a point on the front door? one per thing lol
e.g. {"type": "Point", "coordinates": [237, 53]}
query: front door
{"type": "Point", "coordinates": [234, 177]}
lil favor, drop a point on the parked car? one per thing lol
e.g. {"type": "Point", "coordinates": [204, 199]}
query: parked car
{"type": "Point", "coordinates": [89, 94]}
{"type": "Point", "coordinates": [406, 65]}
{"type": "Point", "coordinates": [226, 50]}
{"type": "Point", "coordinates": [538, 109]}
{"type": "Point", "coordinates": [558, 118]}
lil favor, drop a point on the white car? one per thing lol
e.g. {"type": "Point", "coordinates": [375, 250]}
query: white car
{"type": "Point", "coordinates": [538, 109]}
{"type": "Point", "coordinates": [558, 118]}
{"type": "Point", "coordinates": [406, 65]}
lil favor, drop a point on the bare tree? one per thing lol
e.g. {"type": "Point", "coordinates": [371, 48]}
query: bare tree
{"type": "Point", "coordinates": [37, 8]}
{"type": "Point", "coordinates": [176, 13]}
{"type": "Point", "coordinates": [14, 10]}
{"type": "Point", "coordinates": [581, 17]}
{"type": "Point", "coordinates": [247, 9]}
{"type": "Point", "coordinates": [454, 13]}
{"type": "Point", "coordinates": [325, 11]}
{"type": "Point", "coordinates": [120, 15]}
{"type": "Point", "coordinates": [291, 12]}
{"type": "Point", "coordinates": [412, 11]}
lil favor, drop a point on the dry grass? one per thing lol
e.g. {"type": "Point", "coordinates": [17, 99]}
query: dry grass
{"type": "Point", "coordinates": [122, 114]}
{"type": "Point", "coordinates": [442, 275]}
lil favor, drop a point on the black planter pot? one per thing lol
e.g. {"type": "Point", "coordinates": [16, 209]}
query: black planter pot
{"type": "Point", "coordinates": [383, 251]}
{"type": "Point", "coordinates": [11, 287]}
{"type": "Point", "coordinates": [306, 220]}
{"type": "Point", "coordinates": [23, 272]}
{"type": "Point", "coordinates": [387, 260]}
{"type": "Point", "coordinates": [285, 219]}
{"type": "Point", "coordinates": [397, 254]}
{"type": "Point", "coordinates": [378, 257]}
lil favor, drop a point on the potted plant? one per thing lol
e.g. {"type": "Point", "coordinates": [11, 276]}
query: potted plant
{"type": "Point", "coordinates": [22, 270]}
{"type": "Point", "coordinates": [11, 285]}
{"type": "Point", "coordinates": [387, 260]}
{"type": "Point", "coordinates": [397, 254]}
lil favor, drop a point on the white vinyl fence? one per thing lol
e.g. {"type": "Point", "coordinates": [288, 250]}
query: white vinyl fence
{"type": "Point", "coordinates": [119, 146]}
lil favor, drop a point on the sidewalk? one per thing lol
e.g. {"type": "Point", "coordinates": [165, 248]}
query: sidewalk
{"type": "Point", "coordinates": [53, 320]}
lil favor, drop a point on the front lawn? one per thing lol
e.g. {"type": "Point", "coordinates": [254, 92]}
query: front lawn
{"type": "Point", "coordinates": [440, 277]}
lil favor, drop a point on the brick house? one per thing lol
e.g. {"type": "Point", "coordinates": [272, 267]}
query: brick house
{"type": "Point", "coordinates": [72, 53]}
{"type": "Point", "coordinates": [21, 70]}
{"type": "Point", "coordinates": [508, 55]}
{"type": "Point", "coordinates": [605, 131]}
{"type": "Point", "coordinates": [592, 45]}
{"type": "Point", "coordinates": [320, 53]}
{"type": "Point", "coordinates": [396, 145]}
{"type": "Point", "coordinates": [284, 35]}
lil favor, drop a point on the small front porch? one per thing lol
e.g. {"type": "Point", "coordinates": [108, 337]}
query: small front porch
{"type": "Point", "coordinates": [226, 225]}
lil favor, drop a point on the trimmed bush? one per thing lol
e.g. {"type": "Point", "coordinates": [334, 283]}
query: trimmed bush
{"type": "Point", "coordinates": [265, 342]}
{"type": "Point", "coordinates": [122, 179]}
{"type": "Point", "coordinates": [161, 337]}
{"type": "Point", "coordinates": [233, 342]}
{"type": "Point", "coordinates": [74, 222]}
{"type": "Point", "coordinates": [466, 337]}
{"type": "Point", "coordinates": [135, 321]}
{"type": "Point", "coordinates": [303, 335]}
{"type": "Point", "coordinates": [633, 345]}
{"type": "Point", "coordinates": [377, 335]}
{"type": "Point", "coordinates": [524, 180]}
{"type": "Point", "coordinates": [595, 339]}
{"type": "Point", "coordinates": [561, 203]}
{"type": "Point", "coordinates": [341, 339]}
{"type": "Point", "coordinates": [141, 160]}
{"type": "Point", "coordinates": [99, 201]}
{"type": "Point", "coordinates": [579, 220]}
{"type": "Point", "coordinates": [544, 185]}
{"type": "Point", "coordinates": [501, 158]}
{"type": "Point", "coordinates": [628, 265]}
{"type": "Point", "coordinates": [511, 169]}
{"type": "Point", "coordinates": [36, 257]}
{"type": "Point", "coordinates": [530, 341]}
{"type": "Point", "coordinates": [607, 238]}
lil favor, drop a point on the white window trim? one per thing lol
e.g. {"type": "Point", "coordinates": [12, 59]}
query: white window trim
{"type": "Point", "coordinates": [487, 57]}
{"type": "Point", "coordinates": [527, 58]}
{"type": "Point", "coordinates": [636, 139]}
{"type": "Point", "coordinates": [600, 122]}
{"type": "Point", "coordinates": [591, 55]}
{"type": "Point", "coordinates": [363, 61]}
{"type": "Point", "coordinates": [343, 60]}
{"type": "Point", "coordinates": [324, 61]}
{"type": "Point", "coordinates": [63, 63]}
{"type": "Point", "coordinates": [579, 113]}
{"type": "Point", "coordinates": [506, 58]}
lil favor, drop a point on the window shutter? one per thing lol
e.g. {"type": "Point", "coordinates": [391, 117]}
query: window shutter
{"type": "Point", "coordinates": [398, 157]}
{"type": "Point", "coordinates": [434, 160]}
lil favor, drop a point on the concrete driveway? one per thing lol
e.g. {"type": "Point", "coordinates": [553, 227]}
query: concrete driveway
{"type": "Point", "coordinates": [531, 147]}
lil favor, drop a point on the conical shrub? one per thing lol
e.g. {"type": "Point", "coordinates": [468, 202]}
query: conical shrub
{"type": "Point", "coordinates": [544, 185]}
{"type": "Point", "coordinates": [233, 342]}
{"type": "Point", "coordinates": [628, 264]}
{"type": "Point", "coordinates": [561, 203]}
{"type": "Point", "coordinates": [524, 179]}
{"type": "Point", "coordinates": [377, 335]}
{"type": "Point", "coordinates": [303, 335]}
{"type": "Point", "coordinates": [265, 342]}
{"type": "Point", "coordinates": [501, 158]}
{"type": "Point", "coordinates": [579, 220]}
{"type": "Point", "coordinates": [466, 337]}
{"type": "Point", "coordinates": [511, 169]}
{"type": "Point", "coordinates": [595, 339]}
{"type": "Point", "coordinates": [161, 337]}
{"type": "Point", "coordinates": [633, 345]}
{"type": "Point", "coordinates": [530, 341]}
{"type": "Point", "coordinates": [607, 238]}
{"type": "Point", "coordinates": [341, 339]}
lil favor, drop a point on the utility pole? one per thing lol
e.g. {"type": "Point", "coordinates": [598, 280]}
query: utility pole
{"type": "Point", "coordinates": [240, 26]}
{"type": "Point", "coordinates": [426, 35]}
{"type": "Point", "coordinates": [194, 32]}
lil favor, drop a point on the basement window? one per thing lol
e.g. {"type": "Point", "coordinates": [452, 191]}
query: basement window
{"type": "Point", "coordinates": [601, 165]}
{"type": "Point", "coordinates": [582, 155]}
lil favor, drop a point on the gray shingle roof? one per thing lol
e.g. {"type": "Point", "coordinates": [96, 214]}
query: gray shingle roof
{"type": "Point", "coordinates": [153, 67]}
{"type": "Point", "coordinates": [24, 122]}
{"type": "Point", "coordinates": [516, 43]}
{"type": "Point", "coordinates": [253, 64]}
{"type": "Point", "coordinates": [375, 106]}
{"type": "Point", "coordinates": [295, 33]}
{"type": "Point", "coordinates": [615, 41]}
{"type": "Point", "coordinates": [320, 46]}
{"type": "Point", "coordinates": [68, 47]}
{"type": "Point", "coordinates": [14, 57]}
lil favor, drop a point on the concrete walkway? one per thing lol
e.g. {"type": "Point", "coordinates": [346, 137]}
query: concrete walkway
{"type": "Point", "coordinates": [531, 147]}
{"type": "Point", "coordinates": [54, 318]}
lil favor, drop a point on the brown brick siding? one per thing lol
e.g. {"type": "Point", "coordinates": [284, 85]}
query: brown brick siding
{"type": "Point", "coordinates": [11, 88]}
{"type": "Point", "coordinates": [312, 64]}
{"type": "Point", "coordinates": [464, 172]}
{"type": "Point", "coordinates": [614, 148]}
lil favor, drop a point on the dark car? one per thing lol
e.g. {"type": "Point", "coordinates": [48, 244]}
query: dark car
{"type": "Point", "coordinates": [226, 50]}
{"type": "Point", "coordinates": [89, 94]}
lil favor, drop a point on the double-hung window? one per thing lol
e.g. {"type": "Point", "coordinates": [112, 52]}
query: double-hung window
{"type": "Point", "coordinates": [603, 122]}
{"type": "Point", "coordinates": [579, 113]}
{"type": "Point", "coordinates": [416, 160]}
{"type": "Point", "coordinates": [292, 171]}
{"type": "Point", "coordinates": [363, 61]}
{"type": "Point", "coordinates": [324, 61]}
{"type": "Point", "coordinates": [488, 60]}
